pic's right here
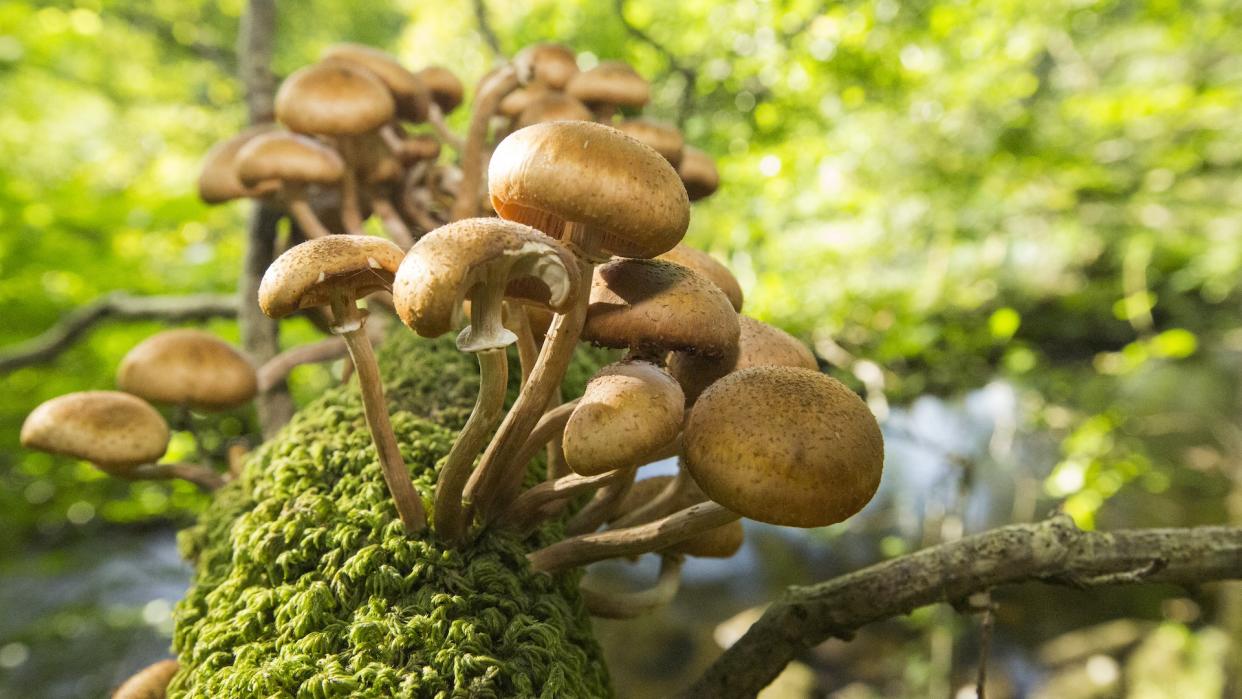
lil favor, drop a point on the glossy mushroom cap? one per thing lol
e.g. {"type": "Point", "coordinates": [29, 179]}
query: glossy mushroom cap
{"type": "Point", "coordinates": [665, 139]}
{"type": "Point", "coordinates": [288, 157]}
{"type": "Point", "coordinates": [217, 180]}
{"type": "Point", "coordinates": [308, 274]}
{"type": "Point", "coordinates": [721, 542]}
{"type": "Point", "coordinates": [698, 173]}
{"type": "Point", "coordinates": [334, 99]}
{"type": "Point", "coordinates": [188, 367]}
{"type": "Point", "coordinates": [409, 93]}
{"type": "Point", "coordinates": [594, 175]}
{"type": "Point", "coordinates": [114, 430]}
{"type": "Point", "coordinates": [652, 306]}
{"type": "Point", "coordinates": [610, 82]}
{"type": "Point", "coordinates": [758, 344]}
{"type": "Point", "coordinates": [547, 64]}
{"type": "Point", "coordinates": [707, 266]}
{"type": "Point", "coordinates": [447, 263]}
{"type": "Point", "coordinates": [628, 410]}
{"type": "Point", "coordinates": [446, 89]}
{"type": "Point", "coordinates": [553, 106]}
{"type": "Point", "coordinates": [785, 446]}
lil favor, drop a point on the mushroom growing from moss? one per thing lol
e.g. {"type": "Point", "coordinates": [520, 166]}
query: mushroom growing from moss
{"type": "Point", "coordinates": [550, 65]}
{"type": "Point", "coordinates": [707, 266]}
{"type": "Point", "coordinates": [217, 179]}
{"type": "Point", "coordinates": [188, 367]}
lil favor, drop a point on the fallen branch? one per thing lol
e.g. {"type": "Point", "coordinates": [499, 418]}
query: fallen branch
{"type": "Point", "coordinates": [1053, 551]}
{"type": "Point", "coordinates": [119, 306]}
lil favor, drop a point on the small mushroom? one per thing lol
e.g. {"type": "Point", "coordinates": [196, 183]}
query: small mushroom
{"type": "Point", "coordinates": [608, 86]}
{"type": "Point", "coordinates": [337, 271]}
{"type": "Point", "coordinates": [446, 94]}
{"type": "Point", "coordinates": [553, 106]}
{"type": "Point", "coordinates": [721, 542]}
{"type": "Point", "coordinates": [188, 367]}
{"type": "Point", "coordinates": [151, 682]}
{"type": "Point", "coordinates": [520, 98]}
{"type": "Point", "coordinates": [698, 173]}
{"type": "Point", "coordinates": [628, 410]}
{"type": "Point", "coordinates": [410, 95]}
{"type": "Point", "coordinates": [665, 139]}
{"type": "Point", "coordinates": [550, 65]}
{"type": "Point", "coordinates": [707, 266]}
{"type": "Point", "coordinates": [217, 179]}
{"type": "Point", "coordinates": [288, 163]}
{"type": "Point", "coordinates": [758, 344]}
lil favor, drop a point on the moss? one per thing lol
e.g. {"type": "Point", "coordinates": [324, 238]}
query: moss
{"type": "Point", "coordinates": [307, 587]}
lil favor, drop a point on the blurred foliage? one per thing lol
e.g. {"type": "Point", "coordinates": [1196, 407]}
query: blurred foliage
{"type": "Point", "coordinates": [951, 190]}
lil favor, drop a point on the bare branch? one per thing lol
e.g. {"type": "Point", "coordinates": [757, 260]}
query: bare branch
{"type": "Point", "coordinates": [485, 27]}
{"type": "Point", "coordinates": [1053, 551]}
{"type": "Point", "coordinates": [119, 306]}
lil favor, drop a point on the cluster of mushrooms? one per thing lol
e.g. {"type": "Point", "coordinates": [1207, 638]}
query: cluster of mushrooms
{"type": "Point", "coordinates": [583, 211]}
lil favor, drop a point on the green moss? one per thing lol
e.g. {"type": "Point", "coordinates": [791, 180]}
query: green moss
{"type": "Point", "coordinates": [307, 587]}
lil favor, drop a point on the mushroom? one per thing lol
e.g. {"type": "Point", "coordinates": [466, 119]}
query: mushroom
{"type": "Point", "coordinates": [665, 139]}
{"type": "Point", "coordinates": [698, 173]}
{"type": "Point", "coordinates": [337, 271]}
{"type": "Point", "coordinates": [151, 682]}
{"type": "Point", "coordinates": [759, 344]}
{"type": "Point", "coordinates": [550, 65]}
{"type": "Point", "coordinates": [446, 93]}
{"type": "Point", "coordinates": [493, 87]}
{"type": "Point", "coordinates": [628, 410]}
{"type": "Point", "coordinates": [707, 266]}
{"type": "Point", "coordinates": [190, 368]}
{"type": "Point", "coordinates": [600, 192]}
{"type": "Point", "coordinates": [217, 178]}
{"type": "Point", "coordinates": [484, 259]}
{"type": "Point", "coordinates": [721, 542]}
{"type": "Point", "coordinates": [607, 86]}
{"type": "Point", "coordinates": [553, 106]}
{"type": "Point", "coordinates": [410, 95]}
{"type": "Point", "coordinates": [121, 434]}
{"type": "Point", "coordinates": [628, 605]}
{"type": "Point", "coordinates": [520, 98]}
{"type": "Point", "coordinates": [288, 163]}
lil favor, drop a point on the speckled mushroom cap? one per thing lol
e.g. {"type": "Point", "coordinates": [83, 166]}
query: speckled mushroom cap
{"type": "Point", "coordinates": [217, 179]}
{"type": "Point", "coordinates": [444, 265]}
{"type": "Point", "coordinates": [721, 542]}
{"type": "Point", "coordinates": [547, 64]}
{"type": "Point", "coordinates": [514, 103]}
{"type": "Point", "coordinates": [553, 106]}
{"type": "Point", "coordinates": [188, 367]}
{"type": "Point", "coordinates": [446, 89]}
{"type": "Point", "coordinates": [654, 306]}
{"type": "Point", "coordinates": [610, 82]}
{"type": "Point", "coordinates": [698, 173]}
{"type": "Point", "coordinates": [114, 430]}
{"type": "Point", "coordinates": [149, 683]}
{"type": "Point", "coordinates": [628, 410]}
{"type": "Point", "coordinates": [665, 139]}
{"type": "Point", "coordinates": [593, 175]}
{"type": "Point", "coordinates": [409, 93]}
{"type": "Point", "coordinates": [288, 157]}
{"type": "Point", "coordinates": [707, 266]}
{"type": "Point", "coordinates": [758, 344]}
{"type": "Point", "coordinates": [333, 99]}
{"type": "Point", "coordinates": [307, 274]}
{"type": "Point", "coordinates": [785, 446]}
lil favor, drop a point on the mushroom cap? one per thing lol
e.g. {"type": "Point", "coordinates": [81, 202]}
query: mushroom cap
{"type": "Point", "coordinates": [288, 157]}
{"type": "Point", "coordinates": [307, 274]}
{"type": "Point", "coordinates": [758, 344]}
{"type": "Point", "coordinates": [409, 94]}
{"type": "Point", "coordinates": [785, 446]}
{"type": "Point", "coordinates": [628, 410]}
{"type": "Point", "coordinates": [514, 103]}
{"type": "Point", "coordinates": [114, 430]}
{"type": "Point", "coordinates": [665, 139]}
{"type": "Point", "coordinates": [655, 306]}
{"type": "Point", "coordinates": [592, 175]}
{"type": "Point", "coordinates": [721, 542]}
{"type": "Point", "coordinates": [419, 147]}
{"type": "Point", "coordinates": [610, 82]}
{"type": "Point", "coordinates": [151, 682]}
{"type": "Point", "coordinates": [334, 99]}
{"type": "Point", "coordinates": [553, 106]}
{"type": "Point", "coordinates": [446, 90]}
{"type": "Point", "coordinates": [188, 367]}
{"type": "Point", "coordinates": [217, 179]}
{"type": "Point", "coordinates": [547, 64]}
{"type": "Point", "coordinates": [447, 263]}
{"type": "Point", "coordinates": [698, 173]}
{"type": "Point", "coordinates": [707, 266]}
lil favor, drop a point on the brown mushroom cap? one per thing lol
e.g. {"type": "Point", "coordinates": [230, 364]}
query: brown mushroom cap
{"type": "Point", "coordinates": [309, 273]}
{"type": "Point", "coordinates": [547, 64]}
{"type": "Point", "coordinates": [514, 103]}
{"type": "Point", "coordinates": [334, 99]}
{"type": "Point", "coordinates": [610, 82]}
{"type": "Point", "coordinates": [446, 89]}
{"type": "Point", "coordinates": [758, 344]}
{"type": "Point", "coordinates": [444, 265]}
{"type": "Point", "coordinates": [592, 175]}
{"type": "Point", "coordinates": [553, 106]}
{"type": "Point", "coordinates": [409, 93]}
{"type": "Point", "coordinates": [217, 180]}
{"type": "Point", "coordinates": [721, 542]}
{"type": "Point", "coordinates": [151, 682]}
{"type": "Point", "coordinates": [628, 410]}
{"type": "Point", "coordinates": [653, 306]}
{"type": "Point", "coordinates": [419, 147]}
{"type": "Point", "coordinates": [665, 139]}
{"type": "Point", "coordinates": [698, 173]}
{"type": "Point", "coordinates": [188, 367]}
{"type": "Point", "coordinates": [288, 157]}
{"type": "Point", "coordinates": [707, 266]}
{"type": "Point", "coordinates": [114, 430]}
{"type": "Point", "coordinates": [785, 446]}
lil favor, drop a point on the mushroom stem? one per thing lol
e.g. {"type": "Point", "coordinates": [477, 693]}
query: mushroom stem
{"type": "Point", "coordinates": [519, 324]}
{"type": "Point", "coordinates": [628, 605]}
{"type": "Point", "coordinates": [653, 536]}
{"type": "Point", "coordinates": [472, 156]}
{"type": "Point", "coordinates": [392, 137]}
{"type": "Point", "coordinates": [199, 475]}
{"type": "Point", "coordinates": [304, 215]}
{"type": "Point", "coordinates": [351, 215]}
{"type": "Point", "coordinates": [278, 368]}
{"type": "Point", "coordinates": [488, 408]}
{"type": "Point", "coordinates": [393, 224]}
{"type": "Point", "coordinates": [603, 505]}
{"type": "Point", "coordinates": [349, 323]}
{"type": "Point", "coordinates": [237, 453]}
{"type": "Point", "coordinates": [435, 117]}
{"type": "Point", "coordinates": [530, 507]}
{"type": "Point", "coordinates": [604, 113]}
{"type": "Point", "coordinates": [557, 465]}
{"type": "Point", "coordinates": [644, 512]}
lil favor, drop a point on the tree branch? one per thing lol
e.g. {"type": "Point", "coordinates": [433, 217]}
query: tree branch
{"type": "Point", "coordinates": [689, 75]}
{"type": "Point", "coordinates": [118, 305]}
{"type": "Point", "coordinates": [1053, 551]}
{"type": "Point", "coordinates": [485, 27]}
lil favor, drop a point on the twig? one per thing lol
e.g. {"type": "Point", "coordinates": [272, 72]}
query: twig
{"type": "Point", "coordinates": [485, 27]}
